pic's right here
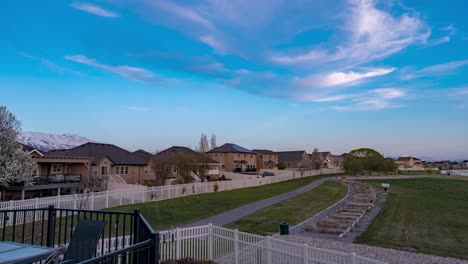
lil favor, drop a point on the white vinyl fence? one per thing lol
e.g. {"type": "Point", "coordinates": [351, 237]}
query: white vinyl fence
{"type": "Point", "coordinates": [139, 194]}
{"type": "Point", "coordinates": [227, 246]}
{"type": "Point", "coordinates": [455, 172]}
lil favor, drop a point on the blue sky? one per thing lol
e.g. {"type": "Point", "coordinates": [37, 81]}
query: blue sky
{"type": "Point", "coordinates": [337, 75]}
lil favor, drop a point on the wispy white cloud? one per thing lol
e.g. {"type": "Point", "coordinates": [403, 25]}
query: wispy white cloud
{"type": "Point", "coordinates": [183, 12]}
{"type": "Point", "coordinates": [438, 69]}
{"type": "Point", "coordinates": [139, 108]}
{"type": "Point", "coordinates": [126, 71]}
{"type": "Point", "coordinates": [376, 99]}
{"type": "Point", "coordinates": [213, 42]}
{"type": "Point", "coordinates": [52, 66]}
{"type": "Point", "coordinates": [451, 29]}
{"type": "Point", "coordinates": [94, 9]}
{"type": "Point", "coordinates": [371, 34]}
{"type": "Point", "coordinates": [340, 78]}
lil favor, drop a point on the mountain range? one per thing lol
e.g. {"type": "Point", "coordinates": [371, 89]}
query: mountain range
{"type": "Point", "coordinates": [46, 142]}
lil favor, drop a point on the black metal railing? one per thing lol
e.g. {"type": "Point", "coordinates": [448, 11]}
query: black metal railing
{"type": "Point", "coordinates": [127, 236]}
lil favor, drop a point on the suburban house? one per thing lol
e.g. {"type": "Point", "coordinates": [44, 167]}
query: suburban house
{"type": "Point", "coordinates": [234, 158]}
{"type": "Point", "coordinates": [409, 163]}
{"type": "Point", "coordinates": [54, 175]}
{"type": "Point", "coordinates": [294, 159]}
{"type": "Point", "coordinates": [110, 162]}
{"type": "Point", "coordinates": [325, 159]}
{"type": "Point", "coordinates": [200, 166]}
{"type": "Point", "coordinates": [339, 160]}
{"type": "Point", "coordinates": [465, 164]}
{"type": "Point", "coordinates": [266, 159]}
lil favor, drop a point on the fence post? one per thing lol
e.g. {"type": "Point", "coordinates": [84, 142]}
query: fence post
{"type": "Point", "coordinates": [133, 196]}
{"type": "Point", "coordinates": [169, 192]}
{"type": "Point", "coordinates": [236, 246]}
{"type": "Point", "coordinates": [107, 198]}
{"type": "Point", "coordinates": [178, 249]}
{"type": "Point", "coordinates": [177, 191]}
{"type": "Point", "coordinates": [154, 254]}
{"type": "Point", "coordinates": [75, 202]}
{"type": "Point", "coordinates": [145, 192]}
{"type": "Point", "coordinates": [352, 258]}
{"type": "Point", "coordinates": [50, 226]}
{"type": "Point", "coordinates": [36, 203]}
{"type": "Point", "coordinates": [92, 201]}
{"type": "Point", "coordinates": [268, 249]}
{"type": "Point", "coordinates": [305, 255]}
{"type": "Point", "coordinates": [210, 242]}
{"type": "Point", "coordinates": [58, 199]}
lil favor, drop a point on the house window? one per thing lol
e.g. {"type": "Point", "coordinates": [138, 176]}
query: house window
{"type": "Point", "coordinates": [220, 154]}
{"type": "Point", "coordinates": [216, 154]}
{"type": "Point", "coordinates": [95, 171]}
{"type": "Point", "coordinates": [245, 155]}
{"type": "Point", "coordinates": [261, 156]}
{"type": "Point", "coordinates": [251, 155]}
{"type": "Point", "coordinates": [238, 155]}
{"type": "Point", "coordinates": [103, 170]}
{"type": "Point", "coordinates": [121, 170]}
{"type": "Point", "coordinates": [56, 168]}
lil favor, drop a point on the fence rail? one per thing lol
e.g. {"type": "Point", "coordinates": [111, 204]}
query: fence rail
{"type": "Point", "coordinates": [141, 194]}
{"type": "Point", "coordinates": [227, 246]}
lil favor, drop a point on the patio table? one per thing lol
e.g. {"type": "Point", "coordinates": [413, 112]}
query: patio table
{"type": "Point", "coordinates": [11, 252]}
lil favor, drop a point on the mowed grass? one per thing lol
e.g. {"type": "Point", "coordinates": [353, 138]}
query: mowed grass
{"type": "Point", "coordinates": [293, 211]}
{"type": "Point", "coordinates": [175, 212]}
{"type": "Point", "coordinates": [429, 215]}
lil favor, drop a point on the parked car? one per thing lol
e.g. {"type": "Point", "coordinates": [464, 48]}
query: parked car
{"type": "Point", "coordinates": [266, 173]}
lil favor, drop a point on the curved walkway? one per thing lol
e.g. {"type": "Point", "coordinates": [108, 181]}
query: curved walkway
{"type": "Point", "coordinates": [245, 210]}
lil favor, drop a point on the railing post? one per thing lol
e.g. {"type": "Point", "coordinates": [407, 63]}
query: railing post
{"type": "Point", "coordinates": [305, 255]}
{"type": "Point", "coordinates": [50, 226]}
{"type": "Point", "coordinates": [136, 233]}
{"type": "Point", "coordinates": [268, 249]}
{"type": "Point", "coordinates": [154, 254]}
{"type": "Point", "coordinates": [121, 198]}
{"type": "Point", "coordinates": [178, 249]}
{"type": "Point", "coordinates": [58, 199]}
{"type": "Point", "coordinates": [236, 246]}
{"type": "Point", "coordinates": [210, 242]}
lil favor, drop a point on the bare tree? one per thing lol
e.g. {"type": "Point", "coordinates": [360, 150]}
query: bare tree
{"type": "Point", "coordinates": [203, 145]}
{"type": "Point", "coordinates": [317, 159]}
{"type": "Point", "coordinates": [213, 141]}
{"type": "Point", "coordinates": [16, 166]}
{"type": "Point", "coordinates": [162, 170]}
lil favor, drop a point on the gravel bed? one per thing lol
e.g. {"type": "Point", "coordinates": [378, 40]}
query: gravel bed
{"type": "Point", "coordinates": [388, 255]}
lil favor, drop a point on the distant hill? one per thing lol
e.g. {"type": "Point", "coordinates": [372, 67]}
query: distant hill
{"type": "Point", "coordinates": [46, 142]}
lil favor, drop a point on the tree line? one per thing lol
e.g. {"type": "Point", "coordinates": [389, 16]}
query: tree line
{"type": "Point", "coordinates": [367, 161]}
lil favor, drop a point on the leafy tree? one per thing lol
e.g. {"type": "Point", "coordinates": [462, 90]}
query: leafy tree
{"type": "Point", "coordinates": [317, 159]}
{"type": "Point", "coordinates": [352, 165]}
{"type": "Point", "coordinates": [16, 166]}
{"type": "Point", "coordinates": [367, 160]}
{"type": "Point", "coordinates": [162, 169]}
{"type": "Point", "coordinates": [282, 166]}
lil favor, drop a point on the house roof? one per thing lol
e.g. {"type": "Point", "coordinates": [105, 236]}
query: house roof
{"type": "Point", "coordinates": [290, 155]}
{"type": "Point", "coordinates": [321, 155]}
{"type": "Point", "coordinates": [264, 151]}
{"type": "Point", "coordinates": [98, 151]}
{"type": "Point", "coordinates": [169, 153]}
{"type": "Point", "coordinates": [229, 148]}
{"type": "Point", "coordinates": [406, 158]}
{"type": "Point", "coordinates": [26, 147]}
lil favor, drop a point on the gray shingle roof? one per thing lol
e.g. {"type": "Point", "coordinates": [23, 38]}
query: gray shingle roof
{"type": "Point", "coordinates": [264, 151]}
{"type": "Point", "coordinates": [177, 150]}
{"type": "Point", "coordinates": [229, 147]}
{"type": "Point", "coordinates": [98, 151]}
{"type": "Point", "coordinates": [290, 155]}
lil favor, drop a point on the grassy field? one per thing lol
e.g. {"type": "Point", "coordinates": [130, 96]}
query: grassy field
{"type": "Point", "coordinates": [175, 212]}
{"type": "Point", "coordinates": [292, 211]}
{"type": "Point", "coordinates": [428, 215]}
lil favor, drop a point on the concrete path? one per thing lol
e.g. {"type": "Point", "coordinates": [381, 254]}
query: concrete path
{"type": "Point", "coordinates": [245, 210]}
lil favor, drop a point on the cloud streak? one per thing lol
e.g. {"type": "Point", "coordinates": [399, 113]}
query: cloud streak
{"type": "Point", "coordinates": [126, 71]}
{"type": "Point", "coordinates": [438, 69]}
{"type": "Point", "coordinates": [94, 9]}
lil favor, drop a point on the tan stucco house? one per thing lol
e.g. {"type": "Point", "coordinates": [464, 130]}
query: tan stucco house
{"type": "Point", "coordinates": [409, 163]}
{"type": "Point", "coordinates": [266, 159]}
{"type": "Point", "coordinates": [234, 158]}
{"type": "Point", "coordinates": [294, 159]}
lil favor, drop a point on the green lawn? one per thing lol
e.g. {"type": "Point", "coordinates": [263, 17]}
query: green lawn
{"type": "Point", "coordinates": [292, 211]}
{"type": "Point", "coordinates": [429, 215]}
{"type": "Point", "coordinates": [175, 212]}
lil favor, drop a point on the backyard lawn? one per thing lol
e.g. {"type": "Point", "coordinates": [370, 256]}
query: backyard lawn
{"type": "Point", "coordinates": [428, 215]}
{"type": "Point", "coordinates": [292, 211]}
{"type": "Point", "coordinates": [175, 212]}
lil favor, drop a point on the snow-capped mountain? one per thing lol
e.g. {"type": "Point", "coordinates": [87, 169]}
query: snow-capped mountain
{"type": "Point", "coordinates": [46, 142]}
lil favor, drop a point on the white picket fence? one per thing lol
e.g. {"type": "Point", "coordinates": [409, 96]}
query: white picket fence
{"type": "Point", "coordinates": [141, 194]}
{"type": "Point", "coordinates": [227, 246]}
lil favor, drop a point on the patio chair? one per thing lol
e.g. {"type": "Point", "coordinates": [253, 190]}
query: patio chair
{"type": "Point", "coordinates": [84, 241]}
